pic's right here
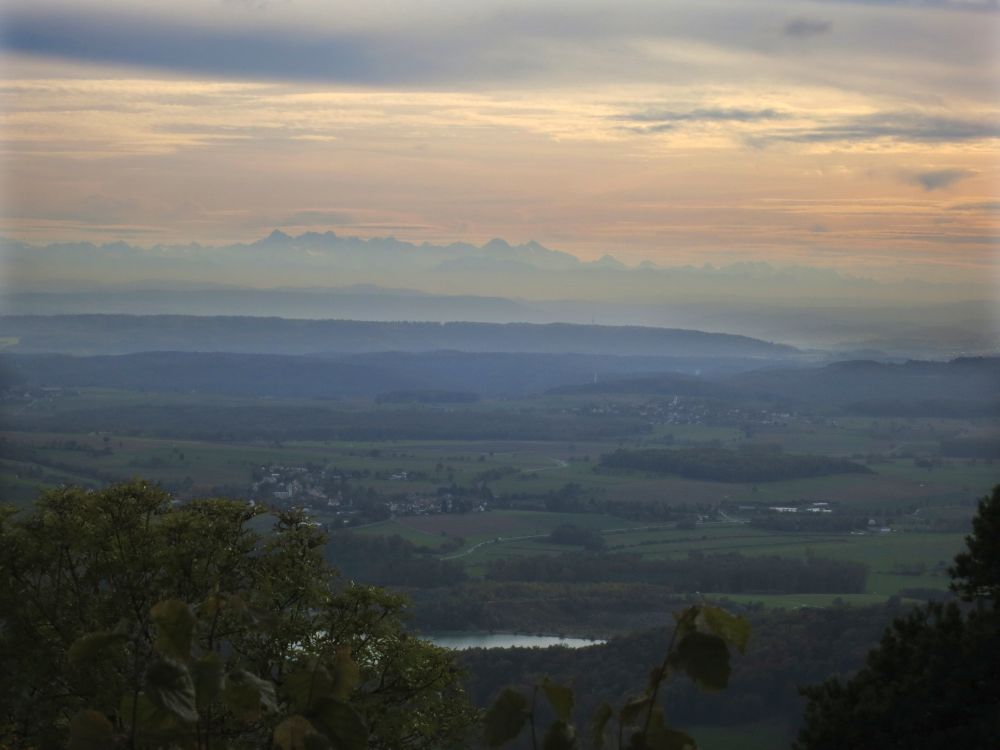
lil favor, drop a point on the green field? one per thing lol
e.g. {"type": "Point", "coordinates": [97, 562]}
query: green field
{"type": "Point", "coordinates": [910, 485]}
{"type": "Point", "coordinates": [504, 525]}
{"type": "Point", "coordinates": [897, 561]}
{"type": "Point", "coordinates": [540, 466]}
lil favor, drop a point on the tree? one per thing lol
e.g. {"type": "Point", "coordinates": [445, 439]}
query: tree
{"type": "Point", "coordinates": [128, 622]}
{"type": "Point", "coordinates": [976, 572]}
{"type": "Point", "coordinates": [934, 680]}
{"type": "Point", "coordinates": [698, 647]}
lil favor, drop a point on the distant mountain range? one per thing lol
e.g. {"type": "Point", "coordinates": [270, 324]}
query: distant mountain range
{"type": "Point", "coordinates": [325, 275]}
{"type": "Point", "coordinates": [337, 253]}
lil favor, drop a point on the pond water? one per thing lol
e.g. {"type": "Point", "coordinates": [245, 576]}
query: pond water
{"type": "Point", "coordinates": [461, 641]}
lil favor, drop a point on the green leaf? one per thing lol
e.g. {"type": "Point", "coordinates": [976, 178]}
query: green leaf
{"type": "Point", "coordinates": [90, 730]}
{"type": "Point", "coordinates": [307, 683]}
{"type": "Point", "coordinates": [559, 736]}
{"type": "Point", "coordinates": [686, 622]}
{"type": "Point", "coordinates": [729, 627]}
{"type": "Point", "coordinates": [247, 695]}
{"type": "Point", "coordinates": [346, 673]}
{"type": "Point", "coordinates": [87, 647]}
{"type": "Point", "coordinates": [207, 673]}
{"type": "Point", "coordinates": [600, 721]}
{"type": "Point", "coordinates": [656, 676]}
{"type": "Point", "coordinates": [560, 697]}
{"type": "Point", "coordinates": [149, 718]}
{"type": "Point", "coordinates": [505, 718]}
{"type": "Point", "coordinates": [661, 737]}
{"type": "Point", "coordinates": [292, 732]}
{"type": "Point", "coordinates": [668, 739]}
{"type": "Point", "coordinates": [317, 742]}
{"type": "Point", "coordinates": [176, 622]}
{"type": "Point", "coordinates": [341, 723]}
{"type": "Point", "coordinates": [169, 686]}
{"type": "Point", "coordinates": [210, 607]}
{"type": "Point", "coordinates": [632, 710]}
{"type": "Point", "coordinates": [705, 658]}
{"type": "Point", "coordinates": [234, 603]}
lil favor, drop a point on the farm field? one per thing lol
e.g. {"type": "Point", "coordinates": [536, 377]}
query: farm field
{"type": "Point", "coordinates": [516, 481]}
{"type": "Point", "coordinates": [897, 561]}
{"type": "Point", "coordinates": [475, 528]}
{"type": "Point", "coordinates": [526, 468]}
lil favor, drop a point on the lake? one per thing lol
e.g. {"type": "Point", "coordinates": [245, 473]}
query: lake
{"type": "Point", "coordinates": [462, 641]}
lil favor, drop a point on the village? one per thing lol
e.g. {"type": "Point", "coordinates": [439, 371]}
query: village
{"type": "Point", "coordinates": [329, 490]}
{"type": "Point", "coordinates": [687, 410]}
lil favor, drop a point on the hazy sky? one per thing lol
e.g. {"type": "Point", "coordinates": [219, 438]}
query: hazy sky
{"type": "Point", "coordinates": [854, 134]}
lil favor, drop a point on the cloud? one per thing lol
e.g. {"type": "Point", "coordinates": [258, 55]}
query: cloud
{"type": "Point", "coordinates": [660, 121]}
{"type": "Point", "coordinates": [901, 126]}
{"type": "Point", "coordinates": [939, 179]}
{"type": "Point", "coordinates": [241, 51]}
{"type": "Point", "coordinates": [94, 208]}
{"type": "Point", "coordinates": [969, 5]}
{"type": "Point", "coordinates": [708, 114]}
{"type": "Point", "coordinates": [315, 217]}
{"type": "Point", "coordinates": [988, 207]}
{"type": "Point", "coordinates": [663, 127]}
{"type": "Point", "coordinates": [255, 4]}
{"type": "Point", "coordinates": [806, 27]}
{"type": "Point", "coordinates": [438, 43]}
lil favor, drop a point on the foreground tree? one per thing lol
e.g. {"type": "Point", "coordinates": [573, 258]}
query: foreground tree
{"type": "Point", "coordinates": [934, 681]}
{"type": "Point", "coordinates": [976, 573]}
{"type": "Point", "coordinates": [699, 647]}
{"type": "Point", "coordinates": [127, 622]}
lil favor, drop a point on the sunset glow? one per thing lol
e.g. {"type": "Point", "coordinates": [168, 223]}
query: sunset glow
{"type": "Point", "coordinates": [858, 135]}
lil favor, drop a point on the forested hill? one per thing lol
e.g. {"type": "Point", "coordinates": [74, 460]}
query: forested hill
{"type": "Point", "coordinates": [390, 375]}
{"type": "Point", "coordinates": [879, 388]}
{"type": "Point", "coordinates": [119, 334]}
{"type": "Point", "coordinates": [964, 387]}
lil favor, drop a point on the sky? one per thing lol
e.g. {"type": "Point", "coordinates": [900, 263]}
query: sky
{"type": "Point", "coordinates": [858, 135]}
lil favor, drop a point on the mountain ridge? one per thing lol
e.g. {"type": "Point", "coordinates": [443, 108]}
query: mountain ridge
{"type": "Point", "coordinates": [119, 334]}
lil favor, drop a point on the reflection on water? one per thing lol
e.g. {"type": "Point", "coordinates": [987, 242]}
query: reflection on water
{"type": "Point", "coordinates": [460, 641]}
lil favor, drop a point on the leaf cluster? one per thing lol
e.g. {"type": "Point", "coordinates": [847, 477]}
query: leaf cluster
{"type": "Point", "coordinates": [128, 621]}
{"type": "Point", "coordinates": [934, 680]}
{"type": "Point", "coordinates": [699, 648]}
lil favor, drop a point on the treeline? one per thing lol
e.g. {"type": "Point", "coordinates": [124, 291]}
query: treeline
{"type": "Point", "coordinates": [941, 408]}
{"type": "Point", "coordinates": [31, 456]}
{"type": "Point", "coordinates": [788, 648]}
{"type": "Point", "coordinates": [571, 534]}
{"type": "Point", "coordinates": [580, 609]}
{"type": "Point", "coordinates": [390, 561]}
{"type": "Point", "coordinates": [909, 389]}
{"type": "Point", "coordinates": [574, 498]}
{"type": "Point", "coordinates": [720, 465]}
{"type": "Point", "coordinates": [810, 522]}
{"type": "Point", "coordinates": [427, 397]}
{"type": "Point", "coordinates": [111, 334]}
{"type": "Point", "coordinates": [204, 421]}
{"type": "Point", "coordinates": [974, 447]}
{"type": "Point", "coordinates": [733, 573]}
{"type": "Point", "coordinates": [673, 384]}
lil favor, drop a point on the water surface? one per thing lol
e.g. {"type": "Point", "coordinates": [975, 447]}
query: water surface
{"type": "Point", "coordinates": [462, 641]}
